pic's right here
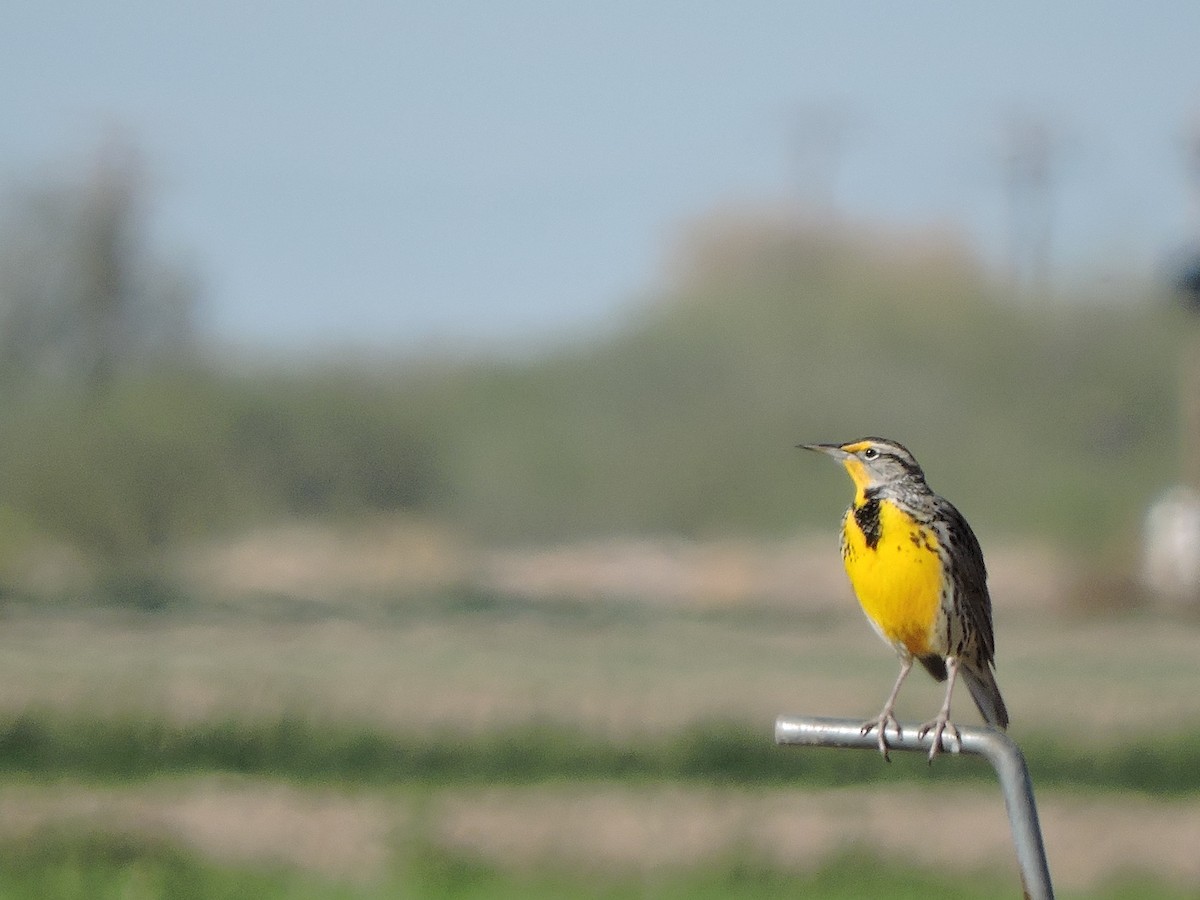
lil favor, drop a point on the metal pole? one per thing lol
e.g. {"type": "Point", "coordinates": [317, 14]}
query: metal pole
{"type": "Point", "coordinates": [1001, 751]}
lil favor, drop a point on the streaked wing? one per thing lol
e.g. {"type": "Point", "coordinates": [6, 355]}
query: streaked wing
{"type": "Point", "coordinates": [970, 576]}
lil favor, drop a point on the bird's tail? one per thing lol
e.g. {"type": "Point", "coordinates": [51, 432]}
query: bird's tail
{"type": "Point", "coordinates": [985, 692]}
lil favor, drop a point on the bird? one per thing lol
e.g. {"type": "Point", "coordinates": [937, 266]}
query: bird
{"type": "Point", "coordinates": [918, 572]}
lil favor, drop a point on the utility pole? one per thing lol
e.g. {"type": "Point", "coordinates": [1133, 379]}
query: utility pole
{"type": "Point", "coordinates": [819, 145]}
{"type": "Point", "coordinates": [1030, 157]}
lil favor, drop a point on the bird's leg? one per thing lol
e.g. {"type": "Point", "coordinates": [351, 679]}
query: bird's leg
{"type": "Point", "coordinates": [887, 714]}
{"type": "Point", "coordinates": [942, 723]}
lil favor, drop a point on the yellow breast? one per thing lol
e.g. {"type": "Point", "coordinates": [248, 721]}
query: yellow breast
{"type": "Point", "coordinates": [896, 572]}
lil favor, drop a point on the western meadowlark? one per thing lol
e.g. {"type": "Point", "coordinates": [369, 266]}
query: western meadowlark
{"type": "Point", "coordinates": [918, 572]}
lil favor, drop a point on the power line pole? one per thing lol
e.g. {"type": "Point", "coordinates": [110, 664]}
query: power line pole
{"type": "Point", "coordinates": [1030, 164]}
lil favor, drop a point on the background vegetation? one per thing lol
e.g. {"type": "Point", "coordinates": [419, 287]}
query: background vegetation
{"type": "Point", "coordinates": [199, 630]}
{"type": "Point", "coordinates": [1058, 419]}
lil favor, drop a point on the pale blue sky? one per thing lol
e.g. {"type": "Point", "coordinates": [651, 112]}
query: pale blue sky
{"type": "Point", "coordinates": [397, 174]}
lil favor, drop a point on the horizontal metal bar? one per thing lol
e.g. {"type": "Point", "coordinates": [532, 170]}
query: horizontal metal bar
{"type": "Point", "coordinates": [998, 748]}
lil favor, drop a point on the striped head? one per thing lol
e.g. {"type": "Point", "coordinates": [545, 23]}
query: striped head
{"type": "Point", "coordinates": [875, 464]}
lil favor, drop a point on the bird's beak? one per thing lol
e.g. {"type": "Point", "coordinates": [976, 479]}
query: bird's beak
{"type": "Point", "coordinates": [833, 450]}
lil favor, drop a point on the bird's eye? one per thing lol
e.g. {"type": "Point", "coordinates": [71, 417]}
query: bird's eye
{"type": "Point", "coordinates": [870, 453]}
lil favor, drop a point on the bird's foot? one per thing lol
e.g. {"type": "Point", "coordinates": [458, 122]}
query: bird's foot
{"type": "Point", "coordinates": [880, 724]}
{"type": "Point", "coordinates": [941, 727]}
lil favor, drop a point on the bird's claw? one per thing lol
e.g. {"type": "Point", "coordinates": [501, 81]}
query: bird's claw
{"type": "Point", "coordinates": [880, 724]}
{"type": "Point", "coordinates": [941, 726]}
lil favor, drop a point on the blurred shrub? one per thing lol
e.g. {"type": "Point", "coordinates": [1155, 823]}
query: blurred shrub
{"type": "Point", "coordinates": [155, 461]}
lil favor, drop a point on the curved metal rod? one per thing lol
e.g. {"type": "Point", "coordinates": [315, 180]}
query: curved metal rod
{"type": "Point", "coordinates": [999, 749]}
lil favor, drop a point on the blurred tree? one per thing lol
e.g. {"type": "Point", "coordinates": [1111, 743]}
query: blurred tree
{"type": "Point", "coordinates": [82, 296]}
